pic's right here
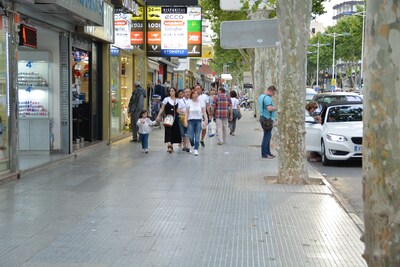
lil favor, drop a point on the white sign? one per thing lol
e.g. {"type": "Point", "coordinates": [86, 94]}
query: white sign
{"type": "Point", "coordinates": [122, 27]}
{"type": "Point", "coordinates": [236, 5]}
{"type": "Point", "coordinates": [174, 34]}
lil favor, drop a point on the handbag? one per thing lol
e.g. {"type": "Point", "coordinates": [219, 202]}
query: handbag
{"type": "Point", "coordinates": [168, 121]}
{"type": "Point", "coordinates": [266, 123]}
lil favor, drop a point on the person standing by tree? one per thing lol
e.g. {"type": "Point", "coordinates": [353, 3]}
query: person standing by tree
{"type": "Point", "coordinates": [267, 110]}
{"type": "Point", "coordinates": [135, 106]}
{"type": "Point", "coordinates": [222, 110]}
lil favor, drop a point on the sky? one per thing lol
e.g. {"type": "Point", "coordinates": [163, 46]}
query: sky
{"type": "Point", "coordinates": [326, 19]}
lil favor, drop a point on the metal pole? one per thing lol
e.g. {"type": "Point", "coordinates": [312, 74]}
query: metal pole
{"type": "Point", "coordinates": [362, 50]}
{"type": "Point", "coordinates": [333, 59]}
{"type": "Point", "coordinates": [318, 65]}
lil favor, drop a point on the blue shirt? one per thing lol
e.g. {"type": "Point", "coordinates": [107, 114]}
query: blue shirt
{"type": "Point", "coordinates": [263, 106]}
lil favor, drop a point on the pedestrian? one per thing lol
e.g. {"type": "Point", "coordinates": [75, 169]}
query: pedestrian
{"type": "Point", "coordinates": [135, 106]}
{"type": "Point", "coordinates": [236, 112]}
{"type": "Point", "coordinates": [159, 90]}
{"type": "Point", "coordinates": [222, 110]}
{"type": "Point", "coordinates": [172, 133]}
{"type": "Point", "coordinates": [311, 107]}
{"type": "Point", "coordinates": [203, 97]}
{"type": "Point", "coordinates": [182, 111]}
{"type": "Point", "coordinates": [267, 110]}
{"type": "Point", "coordinates": [194, 118]}
{"type": "Point", "coordinates": [144, 124]}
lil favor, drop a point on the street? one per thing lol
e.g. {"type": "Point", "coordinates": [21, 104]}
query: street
{"type": "Point", "coordinates": [346, 177]}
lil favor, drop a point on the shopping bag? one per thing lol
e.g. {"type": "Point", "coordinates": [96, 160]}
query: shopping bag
{"type": "Point", "coordinates": [212, 129]}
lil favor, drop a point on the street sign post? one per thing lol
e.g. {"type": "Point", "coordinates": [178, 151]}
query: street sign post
{"type": "Point", "coordinates": [249, 33]}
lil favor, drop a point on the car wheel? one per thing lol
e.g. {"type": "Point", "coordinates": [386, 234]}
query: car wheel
{"type": "Point", "coordinates": [325, 160]}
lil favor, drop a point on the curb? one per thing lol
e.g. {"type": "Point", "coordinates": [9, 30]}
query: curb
{"type": "Point", "coordinates": [340, 199]}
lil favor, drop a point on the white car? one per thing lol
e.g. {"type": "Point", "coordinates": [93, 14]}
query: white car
{"type": "Point", "coordinates": [339, 135]}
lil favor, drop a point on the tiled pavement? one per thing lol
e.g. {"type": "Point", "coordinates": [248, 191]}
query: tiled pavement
{"type": "Point", "coordinates": [114, 206]}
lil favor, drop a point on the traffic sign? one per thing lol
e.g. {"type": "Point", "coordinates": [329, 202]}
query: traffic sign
{"type": "Point", "coordinates": [249, 33]}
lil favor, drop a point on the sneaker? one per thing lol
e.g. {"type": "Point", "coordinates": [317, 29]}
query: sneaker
{"type": "Point", "coordinates": [143, 150]}
{"type": "Point", "coordinates": [191, 151]}
{"type": "Point", "coordinates": [202, 143]}
{"type": "Point", "coordinates": [196, 152]}
{"type": "Point", "coordinates": [220, 143]}
{"type": "Point", "coordinates": [146, 151]}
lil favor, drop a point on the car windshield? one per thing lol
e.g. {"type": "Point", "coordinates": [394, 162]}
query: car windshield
{"type": "Point", "coordinates": [345, 113]}
{"type": "Point", "coordinates": [337, 98]}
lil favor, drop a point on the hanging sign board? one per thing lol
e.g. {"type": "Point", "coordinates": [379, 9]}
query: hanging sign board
{"type": "Point", "coordinates": [27, 36]}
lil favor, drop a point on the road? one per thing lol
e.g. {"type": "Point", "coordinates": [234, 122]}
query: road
{"type": "Point", "coordinates": [346, 177]}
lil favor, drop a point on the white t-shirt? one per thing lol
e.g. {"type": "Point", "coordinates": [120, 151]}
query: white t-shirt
{"type": "Point", "coordinates": [182, 104]}
{"type": "Point", "coordinates": [144, 127]}
{"type": "Point", "coordinates": [235, 102]}
{"type": "Point", "coordinates": [195, 112]}
{"type": "Point", "coordinates": [171, 101]}
{"type": "Point", "coordinates": [204, 98]}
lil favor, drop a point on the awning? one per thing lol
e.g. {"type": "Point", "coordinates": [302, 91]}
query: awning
{"type": "Point", "coordinates": [153, 66]}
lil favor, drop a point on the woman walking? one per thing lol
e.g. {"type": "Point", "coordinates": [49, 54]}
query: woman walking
{"type": "Point", "coordinates": [194, 117]}
{"type": "Point", "coordinates": [236, 112]}
{"type": "Point", "coordinates": [172, 133]}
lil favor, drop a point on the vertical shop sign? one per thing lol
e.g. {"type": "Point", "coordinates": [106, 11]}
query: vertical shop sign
{"type": "Point", "coordinates": [153, 37]}
{"type": "Point", "coordinates": [122, 26]}
{"type": "Point", "coordinates": [137, 30]}
{"type": "Point", "coordinates": [174, 31]}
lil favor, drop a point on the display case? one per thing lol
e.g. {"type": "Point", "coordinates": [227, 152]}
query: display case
{"type": "Point", "coordinates": [34, 100]}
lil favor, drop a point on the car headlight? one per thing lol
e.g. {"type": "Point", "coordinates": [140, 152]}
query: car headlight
{"type": "Point", "coordinates": [336, 138]}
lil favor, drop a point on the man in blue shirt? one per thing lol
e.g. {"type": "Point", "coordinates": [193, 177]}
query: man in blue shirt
{"type": "Point", "coordinates": [267, 110]}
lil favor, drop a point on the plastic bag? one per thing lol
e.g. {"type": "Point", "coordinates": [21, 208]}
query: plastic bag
{"type": "Point", "coordinates": [212, 129]}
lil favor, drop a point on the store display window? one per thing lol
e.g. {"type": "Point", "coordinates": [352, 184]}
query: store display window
{"type": "Point", "coordinates": [4, 108]}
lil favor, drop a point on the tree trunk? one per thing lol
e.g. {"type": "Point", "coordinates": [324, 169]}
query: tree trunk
{"type": "Point", "coordinates": [294, 23]}
{"type": "Point", "coordinates": [381, 144]}
{"type": "Point", "coordinates": [265, 72]}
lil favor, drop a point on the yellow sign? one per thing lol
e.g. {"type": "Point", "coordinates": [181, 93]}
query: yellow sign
{"type": "Point", "coordinates": [140, 17]}
{"type": "Point", "coordinates": [207, 51]}
{"type": "Point", "coordinates": [333, 82]}
{"type": "Point", "coordinates": [153, 13]}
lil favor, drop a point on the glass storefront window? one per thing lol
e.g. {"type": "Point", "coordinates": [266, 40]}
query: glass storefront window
{"type": "Point", "coordinates": [4, 108]}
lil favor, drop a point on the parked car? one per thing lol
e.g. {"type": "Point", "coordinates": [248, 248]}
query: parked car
{"type": "Point", "coordinates": [339, 135]}
{"type": "Point", "coordinates": [310, 93]}
{"type": "Point", "coordinates": [323, 99]}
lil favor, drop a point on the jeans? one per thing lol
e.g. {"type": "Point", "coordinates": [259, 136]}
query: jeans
{"type": "Point", "coordinates": [193, 131]}
{"type": "Point", "coordinates": [182, 128]}
{"type": "Point", "coordinates": [222, 124]}
{"type": "Point", "coordinates": [265, 144]}
{"type": "Point", "coordinates": [144, 138]}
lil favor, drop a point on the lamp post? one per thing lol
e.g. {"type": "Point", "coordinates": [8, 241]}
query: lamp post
{"type": "Point", "coordinates": [318, 45]}
{"type": "Point", "coordinates": [334, 35]}
{"type": "Point", "coordinates": [362, 13]}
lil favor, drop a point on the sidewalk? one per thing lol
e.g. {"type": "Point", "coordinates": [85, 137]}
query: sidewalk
{"type": "Point", "coordinates": [115, 206]}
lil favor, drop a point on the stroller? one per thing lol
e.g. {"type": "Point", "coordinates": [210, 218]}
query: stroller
{"type": "Point", "coordinates": [155, 107]}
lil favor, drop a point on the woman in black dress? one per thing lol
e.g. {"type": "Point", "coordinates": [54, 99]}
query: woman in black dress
{"type": "Point", "coordinates": [170, 106]}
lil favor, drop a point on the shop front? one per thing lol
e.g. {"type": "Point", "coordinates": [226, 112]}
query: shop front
{"type": "Point", "coordinates": [5, 23]}
{"type": "Point", "coordinates": [59, 83]}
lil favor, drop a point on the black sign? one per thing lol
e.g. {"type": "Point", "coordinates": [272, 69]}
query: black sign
{"type": "Point", "coordinates": [27, 36]}
{"type": "Point", "coordinates": [173, 2]}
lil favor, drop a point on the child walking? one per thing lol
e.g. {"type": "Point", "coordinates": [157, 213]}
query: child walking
{"type": "Point", "coordinates": [144, 124]}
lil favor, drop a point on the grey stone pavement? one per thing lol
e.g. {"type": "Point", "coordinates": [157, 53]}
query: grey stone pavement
{"type": "Point", "coordinates": [115, 206]}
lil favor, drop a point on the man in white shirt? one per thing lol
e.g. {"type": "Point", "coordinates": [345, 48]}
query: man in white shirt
{"type": "Point", "coordinates": [182, 110]}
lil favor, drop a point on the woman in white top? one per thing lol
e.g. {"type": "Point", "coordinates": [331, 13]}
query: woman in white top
{"type": "Point", "coordinates": [182, 111]}
{"type": "Point", "coordinates": [195, 115]}
{"type": "Point", "coordinates": [236, 112]}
